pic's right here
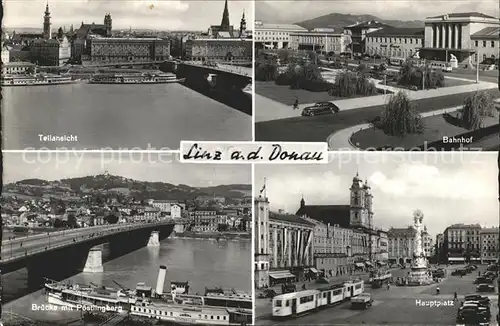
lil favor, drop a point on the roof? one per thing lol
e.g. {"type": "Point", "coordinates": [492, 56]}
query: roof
{"type": "Point", "coordinates": [489, 230]}
{"type": "Point", "coordinates": [464, 14]}
{"type": "Point", "coordinates": [121, 39]}
{"type": "Point", "coordinates": [333, 214]}
{"type": "Point", "coordinates": [19, 64]}
{"type": "Point", "coordinates": [401, 232]}
{"type": "Point", "coordinates": [86, 29]}
{"type": "Point", "coordinates": [393, 31]}
{"type": "Point", "coordinates": [283, 27]}
{"type": "Point", "coordinates": [487, 33]}
{"type": "Point", "coordinates": [289, 218]}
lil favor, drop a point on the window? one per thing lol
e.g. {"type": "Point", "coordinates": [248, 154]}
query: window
{"type": "Point", "coordinates": [484, 44]}
{"type": "Point", "coordinates": [277, 303]}
{"type": "Point", "coordinates": [492, 44]}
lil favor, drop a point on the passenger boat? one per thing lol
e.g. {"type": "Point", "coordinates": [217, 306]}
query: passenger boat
{"type": "Point", "coordinates": [36, 80]}
{"type": "Point", "coordinates": [148, 78]}
{"type": "Point", "coordinates": [189, 315]}
{"type": "Point", "coordinates": [216, 307]}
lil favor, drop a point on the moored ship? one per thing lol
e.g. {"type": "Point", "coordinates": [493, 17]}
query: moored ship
{"type": "Point", "coordinates": [140, 78]}
{"type": "Point", "coordinates": [216, 307]}
{"type": "Point", "coordinates": [36, 80]}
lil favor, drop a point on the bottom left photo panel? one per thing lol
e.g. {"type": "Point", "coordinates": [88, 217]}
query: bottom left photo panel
{"type": "Point", "coordinates": [124, 239]}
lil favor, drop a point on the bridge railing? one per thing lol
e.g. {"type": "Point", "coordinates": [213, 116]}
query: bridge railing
{"type": "Point", "coordinates": [115, 229]}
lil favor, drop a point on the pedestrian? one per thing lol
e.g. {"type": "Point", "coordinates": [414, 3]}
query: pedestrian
{"type": "Point", "coordinates": [296, 104]}
{"type": "Point", "coordinates": [455, 297]}
{"type": "Point", "coordinates": [388, 286]}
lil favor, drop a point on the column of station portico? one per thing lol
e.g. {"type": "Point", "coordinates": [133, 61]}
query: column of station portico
{"type": "Point", "coordinates": [446, 35]}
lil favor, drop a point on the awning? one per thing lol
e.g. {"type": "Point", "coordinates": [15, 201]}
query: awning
{"type": "Point", "coordinates": [314, 270]}
{"type": "Point", "coordinates": [281, 275]}
{"type": "Point", "coordinates": [360, 265]}
{"type": "Point", "coordinates": [368, 263]}
{"type": "Point", "coordinates": [456, 258]}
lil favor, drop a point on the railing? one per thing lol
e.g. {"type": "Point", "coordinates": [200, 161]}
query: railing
{"type": "Point", "coordinates": [112, 230]}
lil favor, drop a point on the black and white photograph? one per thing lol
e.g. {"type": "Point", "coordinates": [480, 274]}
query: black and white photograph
{"type": "Point", "coordinates": [378, 239]}
{"type": "Point", "coordinates": [102, 74]}
{"type": "Point", "coordinates": [384, 75]}
{"type": "Point", "coordinates": [127, 241]}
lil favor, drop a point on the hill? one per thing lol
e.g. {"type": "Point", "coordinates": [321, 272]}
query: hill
{"type": "Point", "coordinates": [106, 183]}
{"type": "Point", "coordinates": [339, 21]}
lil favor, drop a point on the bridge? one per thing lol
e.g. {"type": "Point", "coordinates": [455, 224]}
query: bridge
{"type": "Point", "coordinates": [223, 66]}
{"type": "Point", "coordinates": [70, 250]}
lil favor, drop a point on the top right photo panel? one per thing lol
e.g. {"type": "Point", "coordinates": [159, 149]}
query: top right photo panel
{"type": "Point", "coordinates": [380, 76]}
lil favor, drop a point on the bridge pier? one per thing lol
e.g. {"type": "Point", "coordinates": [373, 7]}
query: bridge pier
{"type": "Point", "coordinates": [179, 228]}
{"type": "Point", "coordinates": [154, 239]}
{"type": "Point", "coordinates": [94, 261]}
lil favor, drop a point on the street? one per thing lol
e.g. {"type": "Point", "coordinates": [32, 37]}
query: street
{"type": "Point", "coordinates": [396, 306]}
{"type": "Point", "coordinates": [318, 128]}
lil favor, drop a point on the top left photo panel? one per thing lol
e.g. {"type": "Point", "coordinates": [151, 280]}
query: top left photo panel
{"type": "Point", "coordinates": [125, 75]}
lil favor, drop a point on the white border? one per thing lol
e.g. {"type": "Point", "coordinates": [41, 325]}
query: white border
{"type": "Point", "coordinates": [253, 246]}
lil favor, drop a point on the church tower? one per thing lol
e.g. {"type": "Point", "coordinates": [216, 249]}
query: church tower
{"type": "Point", "coordinates": [368, 204]}
{"type": "Point", "coordinates": [225, 18]}
{"type": "Point", "coordinates": [243, 27]}
{"type": "Point", "coordinates": [358, 211]}
{"type": "Point", "coordinates": [108, 24]}
{"type": "Point", "coordinates": [47, 32]}
{"type": "Point", "coordinates": [261, 233]}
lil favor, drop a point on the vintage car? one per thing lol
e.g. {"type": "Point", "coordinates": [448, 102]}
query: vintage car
{"type": "Point", "coordinates": [485, 288]}
{"type": "Point", "coordinates": [362, 301]}
{"type": "Point", "coordinates": [320, 108]}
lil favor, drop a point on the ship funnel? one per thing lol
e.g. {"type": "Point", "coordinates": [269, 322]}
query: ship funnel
{"type": "Point", "coordinates": [161, 279]}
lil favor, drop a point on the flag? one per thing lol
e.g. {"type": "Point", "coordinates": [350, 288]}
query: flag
{"type": "Point", "coordinates": [263, 188]}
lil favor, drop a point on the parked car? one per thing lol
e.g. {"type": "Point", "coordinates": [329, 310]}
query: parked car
{"type": "Point", "coordinates": [320, 108]}
{"type": "Point", "coordinates": [458, 272]}
{"type": "Point", "coordinates": [484, 301]}
{"type": "Point", "coordinates": [267, 293]}
{"type": "Point", "coordinates": [485, 288]}
{"type": "Point", "coordinates": [472, 316]}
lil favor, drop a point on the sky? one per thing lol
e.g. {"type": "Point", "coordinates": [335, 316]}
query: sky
{"type": "Point", "coordinates": [138, 14]}
{"type": "Point", "coordinates": [141, 167]}
{"type": "Point", "coordinates": [281, 11]}
{"type": "Point", "coordinates": [448, 188]}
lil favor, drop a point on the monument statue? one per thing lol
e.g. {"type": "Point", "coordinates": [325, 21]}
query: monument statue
{"type": "Point", "coordinates": [419, 274]}
{"type": "Point", "coordinates": [417, 55]}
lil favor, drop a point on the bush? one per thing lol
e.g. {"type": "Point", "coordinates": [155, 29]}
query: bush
{"type": "Point", "coordinates": [302, 76]}
{"type": "Point", "coordinates": [399, 117]}
{"type": "Point", "coordinates": [265, 72]}
{"type": "Point", "coordinates": [349, 84]}
{"type": "Point", "coordinates": [476, 107]}
{"type": "Point", "coordinates": [411, 75]}
{"type": "Point", "coordinates": [316, 86]}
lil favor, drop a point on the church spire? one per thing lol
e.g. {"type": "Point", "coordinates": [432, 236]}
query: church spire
{"type": "Point", "coordinates": [302, 202]}
{"type": "Point", "coordinates": [225, 17]}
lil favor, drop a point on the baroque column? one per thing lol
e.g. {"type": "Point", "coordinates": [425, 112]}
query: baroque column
{"type": "Point", "coordinates": [438, 36]}
{"type": "Point", "coordinates": [449, 36]}
{"type": "Point", "coordinates": [457, 27]}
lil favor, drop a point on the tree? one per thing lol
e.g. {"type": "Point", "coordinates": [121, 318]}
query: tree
{"type": "Point", "coordinates": [283, 56]}
{"type": "Point", "coordinates": [111, 219]}
{"type": "Point", "coordinates": [57, 223]}
{"type": "Point", "coordinates": [476, 107]}
{"type": "Point", "coordinates": [71, 221]}
{"type": "Point", "coordinates": [399, 117]}
{"type": "Point", "coordinates": [349, 84]}
{"type": "Point", "coordinates": [411, 75]}
{"type": "Point", "coordinates": [60, 33]}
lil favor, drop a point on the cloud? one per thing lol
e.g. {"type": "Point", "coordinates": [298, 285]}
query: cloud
{"type": "Point", "coordinates": [138, 14]}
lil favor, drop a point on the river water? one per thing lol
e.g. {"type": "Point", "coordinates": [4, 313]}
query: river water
{"type": "Point", "coordinates": [117, 117]}
{"type": "Point", "coordinates": [204, 263]}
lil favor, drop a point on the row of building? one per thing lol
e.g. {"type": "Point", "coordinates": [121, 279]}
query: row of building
{"type": "Point", "coordinates": [468, 242]}
{"type": "Point", "coordinates": [471, 37]}
{"type": "Point", "coordinates": [331, 240]}
{"type": "Point", "coordinates": [95, 44]}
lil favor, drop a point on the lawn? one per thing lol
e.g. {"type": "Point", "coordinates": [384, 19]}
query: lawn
{"type": "Point", "coordinates": [284, 94]}
{"type": "Point", "coordinates": [448, 82]}
{"type": "Point", "coordinates": [435, 128]}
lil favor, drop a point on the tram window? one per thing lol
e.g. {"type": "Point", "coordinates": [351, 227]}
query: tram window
{"type": "Point", "coordinates": [287, 303]}
{"type": "Point", "coordinates": [324, 294]}
{"type": "Point", "coordinates": [277, 303]}
{"type": "Point", "coordinates": [358, 286]}
{"type": "Point", "coordinates": [211, 317]}
{"type": "Point", "coordinates": [206, 317]}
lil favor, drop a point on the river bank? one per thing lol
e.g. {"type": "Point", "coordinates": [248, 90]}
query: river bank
{"type": "Point", "coordinates": [212, 236]}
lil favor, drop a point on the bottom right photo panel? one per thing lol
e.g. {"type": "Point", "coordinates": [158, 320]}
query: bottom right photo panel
{"type": "Point", "coordinates": [378, 239]}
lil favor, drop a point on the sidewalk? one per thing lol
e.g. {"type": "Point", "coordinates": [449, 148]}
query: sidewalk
{"type": "Point", "coordinates": [341, 140]}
